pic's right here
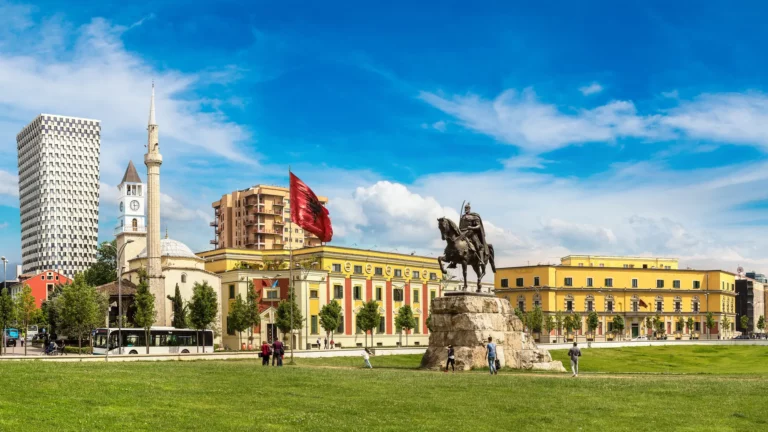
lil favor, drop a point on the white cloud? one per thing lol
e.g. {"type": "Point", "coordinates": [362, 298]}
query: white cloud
{"type": "Point", "coordinates": [3, 225]}
{"type": "Point", "coordinates": [591, 89]}
{"type": "Point", "coordinates": [520, 119]}
{"type": "Point", "coordinates": [578, 237]}
{"type": "Point", "coordinates": [438, 126]}
{"type": "Point", "coordinates": [671, 94]}
{"type": "Point", "coordinates": [8, 184]}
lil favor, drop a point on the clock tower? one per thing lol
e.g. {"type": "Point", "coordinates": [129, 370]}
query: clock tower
{"type": "Point", "coordinates": [131, 223]}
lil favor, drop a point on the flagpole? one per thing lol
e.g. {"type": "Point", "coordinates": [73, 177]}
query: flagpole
{"type": "Point", "coordinates": [290, 260]}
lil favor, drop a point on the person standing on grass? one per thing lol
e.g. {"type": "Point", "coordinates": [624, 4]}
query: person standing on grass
{"type": "Point", "coordinates": [265, 353]}
{"type": "Point", "coordinates": [366, 358]}
{"type": "Point", "coordinates": [574, 353]}
{"type": "Point", "coordinates": [451, 359]}
{"type": "Point", "coordinates": [277, 353]}
{"type": "Point", "coordinates": [490, 350]}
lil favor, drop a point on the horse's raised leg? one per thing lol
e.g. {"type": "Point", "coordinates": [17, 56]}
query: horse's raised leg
{"type": "Point", "coordinates": [480, 272]}
{"type": "Point", "coordinates": [440, 261]}
{"type": "Point", "coordinates": [464, 272]}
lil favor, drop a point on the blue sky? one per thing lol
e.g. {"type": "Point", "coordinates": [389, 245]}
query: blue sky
{"type": "Point", "coordinates": [578, 127]}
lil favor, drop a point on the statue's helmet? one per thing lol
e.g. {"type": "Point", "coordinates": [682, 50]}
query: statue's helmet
{"type": "Point", "coordinates": [467, 206]}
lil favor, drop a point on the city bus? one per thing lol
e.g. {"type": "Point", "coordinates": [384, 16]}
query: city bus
{"type": "Point", "coordinates": [163, 340]}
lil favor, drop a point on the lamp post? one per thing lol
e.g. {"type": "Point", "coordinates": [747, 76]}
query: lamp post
{"type": "Point", "coordinates": [119, 270]}
{"type": "Point", "coordinates": [5, 267]}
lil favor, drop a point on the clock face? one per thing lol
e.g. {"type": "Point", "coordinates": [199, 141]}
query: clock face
{"type": "Point", "coordinates": [121, 207]}
{"type": "Point", "coordinates": [134, 205]}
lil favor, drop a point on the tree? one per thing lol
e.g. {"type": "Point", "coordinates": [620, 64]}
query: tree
{"type": "Point", "coordinates": [576, 318]}
{"type": "Point", "coordinates": [592, 322]}
{"type": "Point", "coordinates": [549, 324]}
{"type": "Point", "coordinates": [689, 325]}
{"type": "Point", "coordinates": [655, 322]}
{"type": "Point", "coordinates": [144, 300]}
{"type": "Point", "coordinates": [369, 317]}
{"type": "Point", "coordinates": [709, 323]}
{"type": "Point", "coordinates": [761, 323]}
{"type": "Point", "coordinates": [535, 319]}
{"type": "Point", "coordinates": [80, 309]}
{"type": "Point", "coordinates": [237, 320]}
{"type": "Point", "coordinates": [180, 311]}
{"type": "Point", "coordinates": [103, 271]}
{"type": "Point", "coordinates": [520, 314]}
{"type": "Point", "coordinates": [558, 323]}
{"type": "Point", "coordinates": [283, 317]}
{"type": "Point", "coordinates": [726, 325]}
{"type": "Point", "coordinates": [25, 309]}
{"type": "Point", "coordinates": [253, 317]}
{"type": "Point", "coordinates": [330, 318]}
{"type": "Point", "coordinates": [203, 307]}
{"type": "Point", "coordinates": [7, 314]}
{"type": "Point", "coordinates": [680, 324]}
{"type": "Point", "coordinates": [569, 324]}
{"type": "Point", "coordinates": [745, 323]}
{"type": "Point", "coordinates": [405, 320]}
{"type": "Point", "coordinates": [618, 324]}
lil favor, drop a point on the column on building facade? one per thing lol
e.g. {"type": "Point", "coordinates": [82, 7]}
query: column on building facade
{"type": "Point", "coordinates": [348, 309]}
{"type": "Point", "coordinates": [368, 289]}
{"type": "Point", "coordinates": [388, 307]}
{"type": "Point", "coordinates": [408, 294]}
{"type": "Point", "coordinates": [425, 308]}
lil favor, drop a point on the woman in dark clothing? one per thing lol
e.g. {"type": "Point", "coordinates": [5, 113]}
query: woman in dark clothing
{"type": "Point", "coordinates": [451, 359]}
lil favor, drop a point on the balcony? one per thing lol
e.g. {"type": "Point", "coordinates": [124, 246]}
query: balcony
{"type": "Point", "coordinates": [250, 221]}
{"type": "Point", "coordinates": [214, 224]}
{"type": "Point", "coordinates": [130, 229]}
{"type": "Point", "coordinates": [279, 221]}
{"type": "Point", "coordinates": [214, 242]}
{"type": "Point", "coordinates": [262, 230]}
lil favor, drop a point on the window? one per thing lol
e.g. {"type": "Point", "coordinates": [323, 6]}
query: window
{"type": "Point", "coordinates": [381, 325]}
{"type": "Point", "coordinates": [416, 275]}
{"type": "Point", "coordinates": [608, 282]}
{"type": "Point", "coordinates": [230, 330]}
{"type": "Point", "coordinates": [271, 294]}
{"type": "Point", "coordinates": [678, 307]}
{"type": "Point", "coordinates": [659, 306]}
{"type": "Point", "coordinates": [536, 281]}
{"type": "Point", "coordinates": [696, 284]}
{"type": "Point", "coordinates": [358, 269]}
{"type": "Point", "coordinates": [357, 292]}
{"type": "Point", "coordinates": [569, 305]}
{"type": "Point", "coordinates": [568, 281]}
{"type": "Point", "coordinates": [433, 276]}
{"type": "Point", "coordinates": [358, 329]}
{"type": "Point", "coordinates": [231, 291]}
{"type": "Point", "coordinates": [340, 330]}
{"type": "Point", "coordinates": [313, 294]}
{"type": "Point", "coordinates": [634, 283]}
{"type": "Point", "coordinates": [397, 294]}
{"type": "Point", "coordinates": [660, 283]}
{"type": "Point", "coordinates": [697, 326]}
{"type": "Point", "coordinates": [338, 292]}
{"type": "Point", "coordinates": [505, 283]}
{"type": "Point", "coordinates": [398, 273]}
{"type": "Point", "coordinates": [696, 307]}
{"type": "Point", "coordinates": [602, 265]}
{"type": "Point", "coordinates": [679, 326]}
{"type": "Point", "coordinates": [581, 264]}
{"type": "Point", "coordinates": [415, 296]}
{"type": "Point", "coordinates": [378, 293]}
{"type": "Point", "coordinates": [378, 271]}
{"type": "Point", "coordinates": [635, 306]}
{"type": "Point", "coordinates": [519, 282]}
{"type": "Point", "coordinates": [589, 282]}
{"type": "Point", "coordinates": [432, 295]}
{"type": "Point", "coordinates": [675, 284]}
{"type": "Point", "coordinates": [589, 305]}
{"type": "Point", "coordinates": [521, 305]}
{"type": "Point", "coordinates": [609, 306]}
{"type": "Point", "coordinates": [183, 278]}
{"type": "Point", "coordinates": [416, 329]}
{"type": "Point", "coordinates": [313, 326]}
{"type": "Point", "coordinates": [337, 268]}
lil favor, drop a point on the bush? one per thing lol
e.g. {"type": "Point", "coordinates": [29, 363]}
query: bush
{"type": "Point", "coordinates": [74, 350]}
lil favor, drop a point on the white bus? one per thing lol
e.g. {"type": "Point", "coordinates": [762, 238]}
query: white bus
{"type": "Point", "coordinates": [163, 340]}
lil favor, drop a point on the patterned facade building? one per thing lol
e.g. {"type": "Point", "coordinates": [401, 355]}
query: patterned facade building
{"type": "Point", "coordinates": [259, 218]}
{"type": "Point", "coordinates": [58, 160]}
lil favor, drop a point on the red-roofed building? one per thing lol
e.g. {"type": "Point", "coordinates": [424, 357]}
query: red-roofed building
{"type": "Point", "coordinates": [42, 284]}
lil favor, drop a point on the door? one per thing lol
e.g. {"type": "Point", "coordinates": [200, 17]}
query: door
{"type": "Point", "coordinates": [635, 330]}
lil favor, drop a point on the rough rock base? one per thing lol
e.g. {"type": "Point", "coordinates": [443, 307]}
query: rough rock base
{"type": "Point", "coordinates": [466, 321]}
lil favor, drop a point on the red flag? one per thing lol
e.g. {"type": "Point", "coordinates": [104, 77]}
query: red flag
{"type": "Point", "coordinates": [642, 303]}
{"type": "Point", "coordinates": [308, 212]}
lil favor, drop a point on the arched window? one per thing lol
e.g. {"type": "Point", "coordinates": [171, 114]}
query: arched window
{"type": "Point", "coordinates": [609, 303]}
{"type": "Point", "coordinates": [537, 300]}
{"type": "Point", "coordinates": [678, 304]}
{"type": "Point", "coordinates": [135, 224]}
{"type": "Point", "coordinates": [183, 278]}
{"type": "Point", "coordinates": [521, 303]}
{"type": "Point", "coordinates": [695, 304]}
{"type": "Point", "coordinates": [635, 303]}
{"type": "Point", "coordinates": [568, 303]}
{"type": "Point", "coordinates": [659, 304]}
{"type": "Point", "coordinates": [589, 303]}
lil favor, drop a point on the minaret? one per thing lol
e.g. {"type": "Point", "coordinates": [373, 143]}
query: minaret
{"type": "Point", "coordinates": [153, 160]}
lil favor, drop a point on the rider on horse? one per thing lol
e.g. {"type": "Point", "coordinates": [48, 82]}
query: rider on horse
{"type": "Point", "coordinates": [471, 227]}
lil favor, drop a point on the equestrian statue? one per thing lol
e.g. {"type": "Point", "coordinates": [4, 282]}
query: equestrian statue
{"type": "Point", "coordinates": [466, 245]}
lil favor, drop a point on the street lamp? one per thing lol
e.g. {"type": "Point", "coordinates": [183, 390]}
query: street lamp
{"type": "Point", "coordinates": [5, 267]}
{"type": "Point", "coordinates": [119, 270]}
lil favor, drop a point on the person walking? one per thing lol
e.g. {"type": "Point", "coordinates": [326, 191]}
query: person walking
{"type": "Point", "coordinates": [265, 351]}
{"type": "Point", "coordinates": [332, 344]}
{"type": "Point", "coordinates": [574, 353]}
{"type": "Point", "coordinates": [325, 342]}
{"type": "Point", "coordinates": [277, 353]}
{"type": "Point", "coordinates": [490, 350]}
{"type": "Point", "coordinates": [318, 344]}
{"type": "Point", "coordinates": [366, 358]}
{"type": "Point", "coordinates": [451, 359]}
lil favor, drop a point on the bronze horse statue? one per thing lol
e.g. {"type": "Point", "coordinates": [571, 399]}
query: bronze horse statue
{"type": "Point", "coordinates": [459, 252]}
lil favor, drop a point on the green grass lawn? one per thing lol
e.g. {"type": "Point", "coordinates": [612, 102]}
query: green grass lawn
{"type": "Point", "coordinates": [337, 395]}
{"type": "Point", "coordinates": [691, 359]}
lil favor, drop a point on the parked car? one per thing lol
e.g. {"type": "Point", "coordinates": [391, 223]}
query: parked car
{"type": "Point", "coordinates": [640, 338]}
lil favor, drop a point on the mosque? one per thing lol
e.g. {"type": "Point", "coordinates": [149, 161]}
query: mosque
{"type": "Point", "coordinates": [169, 263]}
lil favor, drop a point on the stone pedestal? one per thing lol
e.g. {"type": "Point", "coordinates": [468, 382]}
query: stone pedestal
{"type": "Point", "coordinates": [465, 320]}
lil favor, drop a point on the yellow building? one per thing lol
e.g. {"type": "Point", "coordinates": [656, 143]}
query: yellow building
{"type": "Point", "coordinates": [634, 288]}
{"type": "Point", "coordinates": [259, 218]}
{"type": "Point", "coordinates": [326, 273]}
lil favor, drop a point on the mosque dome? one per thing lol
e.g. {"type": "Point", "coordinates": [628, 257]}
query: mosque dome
{"type": "Point", "coordinates": [172, 248]}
